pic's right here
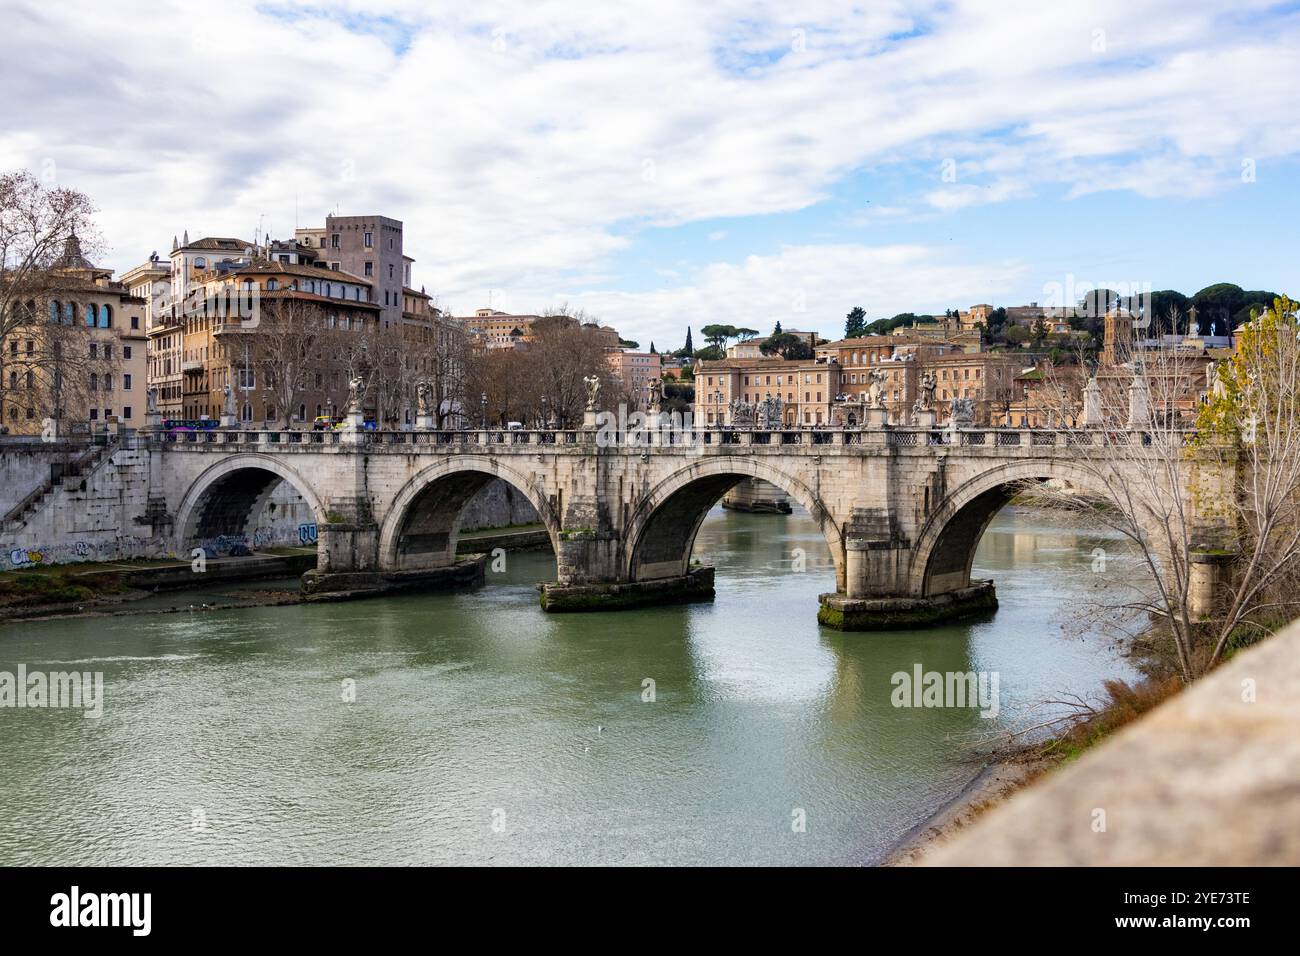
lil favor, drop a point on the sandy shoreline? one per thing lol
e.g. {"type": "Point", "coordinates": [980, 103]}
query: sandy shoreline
{"type": "Point", "coordinates": [991, 786]}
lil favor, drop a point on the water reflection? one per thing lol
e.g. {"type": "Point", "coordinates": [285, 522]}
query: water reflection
{"type": "Point", "coordinates": [476, 708]}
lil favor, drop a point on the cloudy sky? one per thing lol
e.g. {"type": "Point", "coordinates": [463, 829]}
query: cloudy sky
{"type": "Point", "coordinates": [664, 164]}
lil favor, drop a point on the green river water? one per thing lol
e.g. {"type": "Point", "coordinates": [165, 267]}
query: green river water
{"type": "Point", "coordinates": [486, 731]}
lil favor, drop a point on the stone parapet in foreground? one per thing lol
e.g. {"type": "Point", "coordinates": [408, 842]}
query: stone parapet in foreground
{"type": "Point", "coordinates": [1209, 778]}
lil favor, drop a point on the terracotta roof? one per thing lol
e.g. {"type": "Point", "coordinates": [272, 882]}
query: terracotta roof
{"type": "Point", "coordinates": [774, 361]}
{"type": "Point", "coordinates": [219, 243]}
{"type": "Point", "coordinates": [863, 340]}
{"type": "Point", "coordinates": [299, 295]}
{"type": "Point", "coordinates": [275, 267]}
{"type": "Point", "coordinates": [972, 357]}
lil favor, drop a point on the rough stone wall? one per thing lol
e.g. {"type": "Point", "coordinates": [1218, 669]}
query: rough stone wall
{"type": "Point", "coordinates": [24, 466]}
{"type": "Point", "coordinates": [499, 504]}
{"type": "Point", "coordinates": [90, 518]}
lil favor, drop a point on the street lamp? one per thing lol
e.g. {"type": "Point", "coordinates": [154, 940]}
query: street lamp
{"type": "Point", "coordinates": [483, 406]}
{"type": "Point", "coordinates": [545, 418]}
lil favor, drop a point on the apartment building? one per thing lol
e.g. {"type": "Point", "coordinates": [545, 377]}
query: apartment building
{"type": "Point", "coordinates": [988, 379]}
{"type": "Point", "coordinates": [79, 356]}
{"type": "Point", "coordinates": [636, 370]}
{"type": "Point", "coordinates": [806, 389]}
{"type": "Point", "coordinates": [219, 350]}
{"type": "Point", "coordinates": [494, 329]}
{"type": "Point", "coordinates": [369, 247]}
{"type": "Point", "coordinates": [151, 282]}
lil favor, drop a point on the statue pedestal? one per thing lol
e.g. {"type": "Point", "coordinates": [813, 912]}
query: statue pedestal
{"type": "Point", "coordinates": [424, 422]}
{"type": "Point", "coordinates": [354, 428]}
{"type": "Point", "coordinates": [589, 419]}
{"type": "Point", "coordinates": [924, 418]}
{"type": "Point", "coordinates": [1139, 405]}
{"type": "Point", "coordinates": [153, 421]}
{"type": "Point", "coordinates": [228, 421]}
{"type": "Point", "coordinates": [875, 417]}
{"type": "Point", "coordinates": [1092, 414]}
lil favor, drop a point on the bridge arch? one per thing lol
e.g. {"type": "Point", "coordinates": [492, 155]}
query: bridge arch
{"type": "Point", "coordinates": [945, 548]}
{"type": "Point", "coordinates": [226, 499]}
{"type": "Point", "coordinates": [662, 529]}
{"type": "Point", "coordinates": [422, 525]}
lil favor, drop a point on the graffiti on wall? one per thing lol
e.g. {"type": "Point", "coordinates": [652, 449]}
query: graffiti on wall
{"type": "Point", "coordinates": [307, 533]}
{"type": "Point", "coordinates": [116, 549]}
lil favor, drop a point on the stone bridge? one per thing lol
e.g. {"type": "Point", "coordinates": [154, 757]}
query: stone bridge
{"type": "Point", "coordinates": [902, 509]}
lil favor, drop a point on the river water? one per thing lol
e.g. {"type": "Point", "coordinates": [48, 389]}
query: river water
{"type": "Point", "coordinates": [485, 731]}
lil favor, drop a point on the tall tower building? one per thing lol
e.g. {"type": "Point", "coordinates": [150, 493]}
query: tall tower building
{"type": "Point", "coordinates": [366, 246]}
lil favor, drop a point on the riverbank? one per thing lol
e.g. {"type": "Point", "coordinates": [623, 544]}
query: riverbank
{"type": "Point", "coordinates": [1007, 774]}
{"type": "Point", "coordinates": [993, 785]}
{"type": "Point", "coordinates": [107, 589]}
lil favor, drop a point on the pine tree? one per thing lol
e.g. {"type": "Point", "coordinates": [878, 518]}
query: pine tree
{"type": "Point", "coordinates": [689, 350]}
{"type": "Point", "coordinates": [777, 330]}
{"type": "Point", "coordinates": [652, 347]}
{"type": "Point", "coordinates": [855, 323]}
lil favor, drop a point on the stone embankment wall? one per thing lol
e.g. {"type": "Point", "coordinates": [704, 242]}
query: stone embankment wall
{"type": "Point", "coordinates": [26, 465]}
{"type": "Point", "coordinates": [97, 516]}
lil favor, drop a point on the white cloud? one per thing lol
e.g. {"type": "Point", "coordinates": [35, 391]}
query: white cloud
{"type": "Point", "coordinates": [809, 287]}
{"type": "Point", "coordinates": [526, 144]}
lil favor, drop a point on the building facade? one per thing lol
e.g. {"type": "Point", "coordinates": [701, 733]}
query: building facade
{"type": "Point", "coordinates": [369, 247]}
{"type": "Point", "coordinates": [635, 370]}
{"type": "Point", "coordinates": [77, 354]}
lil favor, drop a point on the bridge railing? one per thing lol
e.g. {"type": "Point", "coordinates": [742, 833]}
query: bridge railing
{"type": "Point", "coordinates": [903, 437]}
{"type": "Point", "coordinates": [895, 436]}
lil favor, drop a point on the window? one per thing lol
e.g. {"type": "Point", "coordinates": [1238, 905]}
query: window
{"type": "Point", "coordinates": [334, 241]}
{"type": "Point", "coordinates": [126, 381]}
{"type": "Point", "coordinates": [126, 411]}
{"type": "Point", "coordinates": [126, 351]}
{"type": "Point", "coordinates": [272, 285]}
{"type": "Point", "coordinates": [105, 317]}
{"type": "Point", "coordinates": [108, 383]}
{"type": "Point", "coordinates": [370, 267]}
{"type": "Point", "coordinates": [135, 321]}
{"type": "Point", "coordinates": [91, 315]}
{"type": "Point", "coordinates": [94, 350]}
{"type": "Point", "coordinates": [369, 240]}
{"type": "Point", "coordinates": [247, 378]}
{"type": "Point", "coordinates": [54, 310]}
{"type": "Point", "coordinates": [94, 381]}
{"type": "Point", "coordinates": [108, 352]}
{"type": "Point", "coordinates": [94, 414]}
{"type": "Point", "coordinates": [200, 262]}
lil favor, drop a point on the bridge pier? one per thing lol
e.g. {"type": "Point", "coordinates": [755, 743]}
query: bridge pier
{"type": "Point", "coordinates": [695, 585]}
{"type": "Point", "coordinates": [846, 613]}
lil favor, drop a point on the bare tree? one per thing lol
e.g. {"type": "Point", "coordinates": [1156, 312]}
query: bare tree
{"type": "Point", "coordinates": [289, 346]}
{"type": "Point", "coordinates": [1144, 473]}
{"type": "Point", "coordinates": [1251, 420]}
{"type": "Point", "coordinates": [35, 223]}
